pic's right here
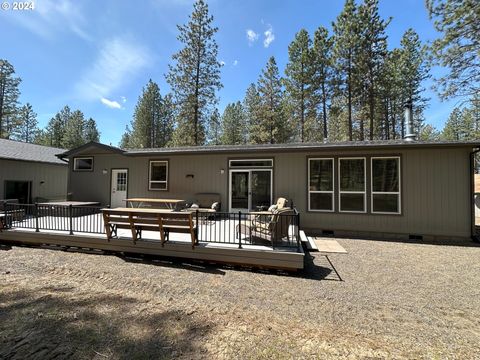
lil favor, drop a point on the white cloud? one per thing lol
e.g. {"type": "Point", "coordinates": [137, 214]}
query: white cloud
{"type": "Point", "coordinates": [124, 99]}
{"type": "Point", "coordinates": [112, 104]}
{"type": "Point", "coordinates": [222, 62]}
{"type": "Point", "coordinates": [118, 61]}
{"type": "Point", "coordinates": [52, 17]}
{"type": "Point", "coordinates": [269, 36]}
{"type": "Point", "coordinates": [252, 36]}
{"type": "Point", "coordinates": [235, 62]}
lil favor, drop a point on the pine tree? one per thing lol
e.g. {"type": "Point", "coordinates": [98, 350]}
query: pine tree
{"type": "Point", "coordinates": [90, 131]}
{"type": "Point", "coordinates": [346, 41]}
{"type": "Point", "coordinates": [214, 128]}
{"type": "Point", "coordinates": [298, 79]}
{"type": "Point", "coordinates": [195, 77]}
{"type": "Point", "coordinates": [9, 94]}
{"type": "Point", "coordinates": [460, 126]}
{"type": "Point", "coordinates": [458, 47]}
{"type": "Point", "coordinates": [413, 72]}
{"type": "Point", "coordinates": [28, 129]}
{"type": "Point", "coordinates": [372, 53]}
{"type": "Point", "coordinates": [273, 127]}
{"type": "Point", "coordinates": [234, 130]}
{"type": "Point", "coordinates": [125, 140]}
{"type": "Point", "coordinates": [322, 75]}
{"type": "Point", "coordinates": [252, 104]}
{"type": "Point", "coordinates": [74, 129]}
{"type": "Point", "coordinates": [152, 123]}
{"type": "Point", "coordinates": [428, 133]}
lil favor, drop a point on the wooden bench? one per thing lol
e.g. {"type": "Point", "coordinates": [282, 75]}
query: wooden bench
{"type": "Point", "coordinates": [138, 220]}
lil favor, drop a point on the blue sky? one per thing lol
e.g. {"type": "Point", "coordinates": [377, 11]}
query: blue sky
{"type": "Point", "coordinates": [97, 55]}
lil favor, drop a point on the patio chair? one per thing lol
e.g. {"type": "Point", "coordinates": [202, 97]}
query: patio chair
{"type": "Point", "coordinates": [272, 228]}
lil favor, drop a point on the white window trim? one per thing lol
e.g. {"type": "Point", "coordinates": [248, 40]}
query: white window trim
{"type": "Point", "coordinates": [248, 166]}
{"type": "Point", "coordinates": [387, 193]}
{"type": "Point", "coordinates": [150, 181]}
{"type": "Point", "coordinates": [82, 158]}
{"type": "Point", "coordinates": [364, 192]}
{"type": "Point", "coordinates": [321, 192]}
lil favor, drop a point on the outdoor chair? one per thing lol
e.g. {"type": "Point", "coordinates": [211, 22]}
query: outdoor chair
{"type": "Point", "coordinates": [272, 228]}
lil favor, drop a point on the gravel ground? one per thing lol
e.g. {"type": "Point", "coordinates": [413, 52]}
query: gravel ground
{"type": "Point", "coordinates": [396, 300]}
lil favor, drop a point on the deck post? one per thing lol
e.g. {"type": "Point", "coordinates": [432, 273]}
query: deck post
{"type": "Point", "coordinates": [37, 229]}
{"type": "Point", "coordinates": [5, 219]}
{"type": "Point", "coordinates": [239, 229]}
{"type": "Point", "coordinates": [297, 235]}
{"type": "Point", "coordinates": [70, 217]}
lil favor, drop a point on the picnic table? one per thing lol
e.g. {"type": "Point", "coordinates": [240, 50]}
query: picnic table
{"type": "Point", "coordinates": [168, 203]}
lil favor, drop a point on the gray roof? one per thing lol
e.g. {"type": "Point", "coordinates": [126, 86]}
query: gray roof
{"type": "Point", "coordinates": [290, 147]}
{"type": "Point", "coordinates": [16, 150]}
{"type": "Point", "coordinates": [346, 145]}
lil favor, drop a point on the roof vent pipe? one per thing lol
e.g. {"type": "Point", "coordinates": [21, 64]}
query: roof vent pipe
{"type": "Point", "coordinates": [409, 133]}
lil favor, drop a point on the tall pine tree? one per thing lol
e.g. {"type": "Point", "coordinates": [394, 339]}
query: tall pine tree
{"type": "Point", "coordinates": [322, 75]}
{"type": "Point", "coordinates": [298, 84]}
{"type": "Point", "coordinates": [28, 128]}
{"type": "Point", "coordinates": [234, 130]}
{"type": "Point", "coordinates": [345, 50]}
{"type": "Point", "coordinates": [195, 76]}
{"type": "Point", "coordinates": [372, 53]}
{"type": "Point", "coordinates": [9, 94]}
{"type": "Point", "coordinates": [152, 123]}
{"type": "Point", "coordinates": [273, 126]}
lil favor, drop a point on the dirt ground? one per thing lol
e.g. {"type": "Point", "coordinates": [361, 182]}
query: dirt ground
{"type": "Point", "coordinates": [392, 300]}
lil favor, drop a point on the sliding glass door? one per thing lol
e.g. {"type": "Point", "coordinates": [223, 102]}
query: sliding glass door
{"type": "Point", "coordinates": [250, 189]}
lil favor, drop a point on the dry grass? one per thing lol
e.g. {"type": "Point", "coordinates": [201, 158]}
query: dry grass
{"type": "Point", "coordinates": [396, 301]}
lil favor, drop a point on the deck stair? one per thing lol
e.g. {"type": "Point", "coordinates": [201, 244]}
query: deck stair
{"type": "Point", "coordinates": [308, 241]}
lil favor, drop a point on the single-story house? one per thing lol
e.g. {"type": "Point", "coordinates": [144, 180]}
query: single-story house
{"type": "Point", "coordinates": [402, 189]}
{"type": "Point", "coordinates": [31, 173]}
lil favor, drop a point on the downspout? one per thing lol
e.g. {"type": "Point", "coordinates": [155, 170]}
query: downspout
{"type": "Point", "coordinates": [473, 232]}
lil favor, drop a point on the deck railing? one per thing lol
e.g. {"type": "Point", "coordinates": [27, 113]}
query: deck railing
{"type": "Point", "coordinates": [237, 228]}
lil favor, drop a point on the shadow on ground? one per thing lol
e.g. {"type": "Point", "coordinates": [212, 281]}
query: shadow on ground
{"type": "Point", "coordinates": [311, 270]}
{"type": "Point", "coordinates": [50, 323]}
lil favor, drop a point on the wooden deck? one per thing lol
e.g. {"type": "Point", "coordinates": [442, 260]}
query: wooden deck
{"type": "Point", "coordinates": [287, 258]}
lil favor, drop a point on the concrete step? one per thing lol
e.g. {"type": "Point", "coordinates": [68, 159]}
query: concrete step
{"type": "Point", "coordinates": [310, 243]}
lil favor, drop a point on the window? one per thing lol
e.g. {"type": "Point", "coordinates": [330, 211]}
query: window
{"type": "Point", "coordinates": [386, 185]}
{"type": "Point", "coordinates": [158, 179]}
{"type": "Point", "coordinates": [352, 184]}
{"type": "Point", "coordinates": [251, 163]}
{"type": "Point", "coordinates": [83, 164]}
{"type": "Point", "coordinates": [320, 184]}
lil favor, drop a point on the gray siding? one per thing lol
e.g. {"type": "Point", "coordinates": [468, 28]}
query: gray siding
{"type": "Point", "coordinates": [53, 176]}
{"type": "Point", "coordinates": [435, 187]}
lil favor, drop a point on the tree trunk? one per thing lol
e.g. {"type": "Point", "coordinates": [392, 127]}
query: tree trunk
{"type": "Point", "coordinates": [350, 126]}
{"type": "Point", "coordinates": [324, 104]}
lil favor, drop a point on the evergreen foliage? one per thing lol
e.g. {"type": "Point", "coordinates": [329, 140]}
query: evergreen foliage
{"type": "Point", "coordinates": [195, 76]}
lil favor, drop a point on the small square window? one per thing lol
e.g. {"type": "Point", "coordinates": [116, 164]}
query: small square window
{"type": "Point", "coordinates": [83, 164]}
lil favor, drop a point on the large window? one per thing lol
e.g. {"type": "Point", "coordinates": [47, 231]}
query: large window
{"type": "Point", "coordinates": [320, 184]}
{"type": "Point", "coordinates": [386, 185]}
{"type": "Point", "coordinates": [158, 178]}
{"type": "Point", "coordinates": [352, 184]}
{"type": "Point", "coordinates": [83, 164]}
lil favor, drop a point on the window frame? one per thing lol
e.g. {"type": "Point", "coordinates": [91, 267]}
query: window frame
{"type": "Point", "coordinates": [399, 193]}
{"type": "Point", "coordinates": [364, 192]}
{"type": "Point", "coordinates": [250, 166]}
{"type": "Point", "coordinates": [150, 181]}
{"type": "Point", "coordinates": [321, 191]}
{"type": "Point", "coordinates": [82, 158]}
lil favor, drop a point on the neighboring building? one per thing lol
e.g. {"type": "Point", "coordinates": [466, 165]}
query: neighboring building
{"type": "Point", "coordinates": [378, 188]}
{"type": "Point", "coordinates": [31, 172]}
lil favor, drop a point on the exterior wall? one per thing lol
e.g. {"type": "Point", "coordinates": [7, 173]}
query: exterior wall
{"type": "Point", "coordinates": [435, 184]}
{"type": "Point", "coordinates": [53, 176]}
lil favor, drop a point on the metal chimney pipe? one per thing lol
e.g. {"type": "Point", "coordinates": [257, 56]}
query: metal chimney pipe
{"type": "Point", "coordinates": [408, 119]}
